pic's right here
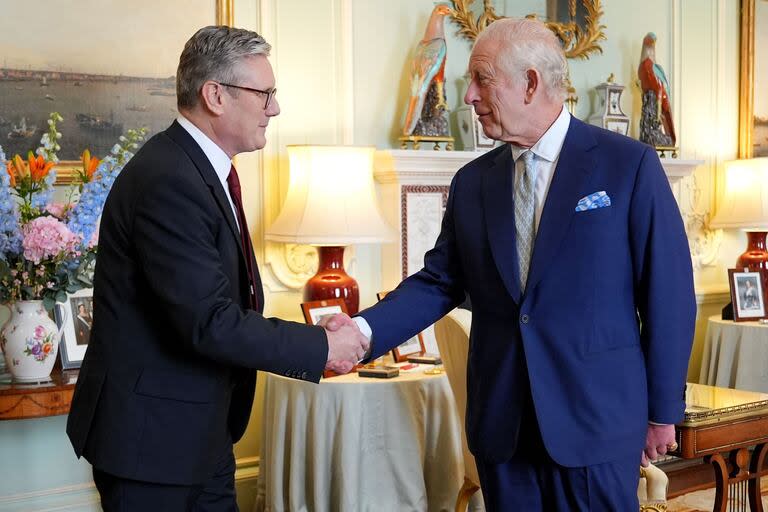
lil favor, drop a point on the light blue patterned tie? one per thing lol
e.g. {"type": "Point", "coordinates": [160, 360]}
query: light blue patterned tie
{"type": "Point", "coordinates": [524, 214]}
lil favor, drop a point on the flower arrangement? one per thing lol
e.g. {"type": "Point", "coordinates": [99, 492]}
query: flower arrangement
{"type": "Point", "coordinates": [47, 248]}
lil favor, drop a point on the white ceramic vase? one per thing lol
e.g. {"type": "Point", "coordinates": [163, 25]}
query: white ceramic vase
{"type": "Point", "coordinates": [30, 341]}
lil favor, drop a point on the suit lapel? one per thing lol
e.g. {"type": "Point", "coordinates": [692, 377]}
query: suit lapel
{"type": "Point", "coordinates": [204, 167]}
{"type": "Point", "coordinates": [568, 186]}
{"type": "Point", "coordinates": [499, 210]}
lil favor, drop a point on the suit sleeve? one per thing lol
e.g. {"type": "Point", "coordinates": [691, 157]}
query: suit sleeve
{"type": "Point", "coordinates": [175, 231]}
{"type": "Point", "coordinates": [424, 297]}
{"type": "Point", "coordinates": [664, 293]}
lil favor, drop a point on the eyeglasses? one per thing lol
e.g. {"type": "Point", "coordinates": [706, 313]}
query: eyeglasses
{"type": "Point", "coordinates": [270, 93]}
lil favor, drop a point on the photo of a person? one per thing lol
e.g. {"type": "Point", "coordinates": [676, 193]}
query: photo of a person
{"type": "Point", "coordinates": [83, 319]}
{"type": "Point", "coordinates": [749, 293]}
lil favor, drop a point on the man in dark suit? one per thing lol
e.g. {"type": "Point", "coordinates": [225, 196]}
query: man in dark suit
{"type": "Point", "coordinates": [167, 383]}
{"type": "Point", "coordinates": [571, 246]}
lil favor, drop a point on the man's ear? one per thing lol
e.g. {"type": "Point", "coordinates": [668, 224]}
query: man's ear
{"type": "Point", "coordinates": [532, 84]}
{"type": "Point", "coordinates": [212, 97]}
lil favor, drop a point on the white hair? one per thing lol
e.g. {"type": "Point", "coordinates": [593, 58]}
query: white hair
{"type": "Point", "coordinates": [524, 44]}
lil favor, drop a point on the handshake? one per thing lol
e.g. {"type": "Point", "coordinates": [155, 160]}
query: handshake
{"type": "Point", "coordinates": [347, 346]}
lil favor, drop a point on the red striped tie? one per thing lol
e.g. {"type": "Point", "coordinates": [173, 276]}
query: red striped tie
{"type": "Point", "coordinates": [245, 240]}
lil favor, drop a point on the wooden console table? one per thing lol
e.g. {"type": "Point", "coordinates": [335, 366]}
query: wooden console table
{"type": "Point", "coordinates": [721, 425]}
{"type": "Point", "coordinates": [21, 401]}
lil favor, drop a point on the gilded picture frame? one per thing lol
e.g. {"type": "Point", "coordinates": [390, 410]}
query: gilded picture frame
{"type": "Point", "coordinates": [753, 80]}
{"type": "Point", "coordinates": [576, 23]}
{"type": "Point", "coordinates": [102, 130]}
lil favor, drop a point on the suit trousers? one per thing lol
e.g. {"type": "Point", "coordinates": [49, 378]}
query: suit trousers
{"type": "Point", "coordinates": [217, 494]}
{"type": "Point", "coordinates": [532, 481]}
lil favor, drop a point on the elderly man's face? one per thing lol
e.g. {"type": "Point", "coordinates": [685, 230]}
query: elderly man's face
{"type": "Point", "coordinates": [498, 99]}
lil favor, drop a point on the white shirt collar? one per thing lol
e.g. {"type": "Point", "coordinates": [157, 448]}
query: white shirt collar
{"type": "Point", "coordinates": [549, 145]}
{"type": "Point", "coordinates": [219, 160]}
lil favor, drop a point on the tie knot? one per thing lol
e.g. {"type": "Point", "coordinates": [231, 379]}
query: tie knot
{"type": "Point", "coordinates": [528, 158]}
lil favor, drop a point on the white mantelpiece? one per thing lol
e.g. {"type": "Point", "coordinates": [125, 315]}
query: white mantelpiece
{"type": "Point", "coordinates": [418, 167]}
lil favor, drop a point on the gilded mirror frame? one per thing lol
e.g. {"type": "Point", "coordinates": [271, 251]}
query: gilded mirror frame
{"type": "Point", "coordinates": [578, 42]}
{"type": "Point", "coordinates": [747, 78]}
{"type": "Point", "coordinates": [66, 170]}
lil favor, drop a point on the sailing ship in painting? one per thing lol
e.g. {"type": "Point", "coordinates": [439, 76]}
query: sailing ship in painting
{"type": "Point", "coordinates": [96, 123]}
{"type": "Point", "coordinates": [96, 108]}
{"type": "Point", "coordinates": [21, 131]}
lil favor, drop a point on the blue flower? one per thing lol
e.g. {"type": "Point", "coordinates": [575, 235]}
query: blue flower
{"type": "Point", "coordinates": [86, 213]}
{"type": "Point", "coordinates": [10, 234]}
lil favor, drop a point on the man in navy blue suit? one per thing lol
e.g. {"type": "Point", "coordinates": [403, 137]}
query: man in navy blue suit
{"type": "Point", "coordinates": [570, 245]}
{"type": "Point", "coordinates": [167, 383]}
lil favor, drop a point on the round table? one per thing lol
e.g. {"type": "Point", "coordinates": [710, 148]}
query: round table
{"type": "Point", "coordinates": [360, 444]}
{"type": "Point", "coordinates": [735, 355]}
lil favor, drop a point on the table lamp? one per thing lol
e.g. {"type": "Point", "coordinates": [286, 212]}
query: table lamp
{"type": "Point", "coordinates": [745, 206]}
{"type": "Point", "coordinates": [331, 203]}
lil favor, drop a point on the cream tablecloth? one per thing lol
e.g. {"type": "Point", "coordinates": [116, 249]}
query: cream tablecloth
{"type": "Point", "coordinates": [360, 445]}
{"type": "Point", "coordinates": [735, 355]}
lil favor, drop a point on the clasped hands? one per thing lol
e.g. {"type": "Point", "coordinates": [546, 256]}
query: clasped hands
{"type": "Point", "coordinates": [347, 346]}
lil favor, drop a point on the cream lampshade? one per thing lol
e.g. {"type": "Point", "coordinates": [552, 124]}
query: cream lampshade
{"type": "Point", "coordinates": [744, 205]}
{"type": "Point", "coordinates": [331, 203]}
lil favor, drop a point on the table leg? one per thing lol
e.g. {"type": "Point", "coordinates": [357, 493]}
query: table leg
{"type": "Point", "coordinates": [721, 481]}
{"type": "Point", "coordinates": [755, 466]}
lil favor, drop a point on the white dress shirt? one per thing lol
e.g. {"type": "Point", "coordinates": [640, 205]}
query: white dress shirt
{"type": "Point", "coordinates": [547, 151]}
{"type": "Point", "coordinates": [219, 160]}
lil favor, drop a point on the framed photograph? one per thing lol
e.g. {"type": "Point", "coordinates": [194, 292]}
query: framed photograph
{"type": "Point", "coordinates": [413, 346]}
{"type": "Point", "coordinates": [753, 95]}
{"type": "Point", "coordinates": [315, 310]}
{"type": "Point", "coordinates": [747, 294]}
{"type": "Point", "coordinates": [76, 315]}
{"type": "Point", "coordinates": [102, 84]}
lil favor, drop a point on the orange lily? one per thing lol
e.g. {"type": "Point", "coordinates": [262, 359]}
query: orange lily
{"type": "Point", "coordinates": [9, 168]}
{"type": "Point", "coordinates": [89, 165]}
{"type": "Point", "coordinates": [38, 167]}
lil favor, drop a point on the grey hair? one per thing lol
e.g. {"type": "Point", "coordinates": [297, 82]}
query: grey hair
{"type": "Point", "coordinates": [211, 54]}
{"type": "Point", "coordinates": [524, 44]}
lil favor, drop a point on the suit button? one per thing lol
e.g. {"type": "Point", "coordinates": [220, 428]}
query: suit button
{"type": "Point", "coordinates": [524, 319]}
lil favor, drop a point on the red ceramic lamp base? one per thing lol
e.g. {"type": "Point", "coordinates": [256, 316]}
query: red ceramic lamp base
{"type": "Point", "coordinates": [756, 255]}
{"type": "Point", "coordinates": [331, 281]}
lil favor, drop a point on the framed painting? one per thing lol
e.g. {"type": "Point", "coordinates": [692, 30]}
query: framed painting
{"type": "Point", "coordinates": [753, 82]}
{"type": "Point", "coordinates": [106, 67]}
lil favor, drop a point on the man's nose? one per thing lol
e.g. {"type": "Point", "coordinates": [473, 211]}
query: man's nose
{"type": "Point", "coordinates": [471, 95]}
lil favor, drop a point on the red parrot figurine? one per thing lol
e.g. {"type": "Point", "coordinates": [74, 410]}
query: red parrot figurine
{"type": "Point", "coordinates": [428, 79]}
{"type": "Point", "coordinates": [656, 126]}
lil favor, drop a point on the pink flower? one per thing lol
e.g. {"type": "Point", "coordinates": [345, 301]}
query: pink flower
{"type": "Point", "coordinates": [47, 237]}
{"type": "Point", "coordinates": [58, 210]}
{"type": "Point", "coordinates": [39, 331]}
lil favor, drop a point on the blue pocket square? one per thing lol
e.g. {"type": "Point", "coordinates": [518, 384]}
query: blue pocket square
{"type": "Point", "coordinates": [593, 201]}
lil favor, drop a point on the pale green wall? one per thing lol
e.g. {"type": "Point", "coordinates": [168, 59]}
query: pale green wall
{"type": "Point", "coordinates": [37, 468]}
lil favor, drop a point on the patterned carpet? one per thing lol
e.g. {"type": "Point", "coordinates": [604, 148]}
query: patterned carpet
{"type": "Point", "coordinates": [702, 501]}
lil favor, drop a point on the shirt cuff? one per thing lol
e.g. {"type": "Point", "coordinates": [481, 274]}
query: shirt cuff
{"type": "Point", "coordinates": [362, 324]}
{"type": "Point", "coordinates": [658, 424]}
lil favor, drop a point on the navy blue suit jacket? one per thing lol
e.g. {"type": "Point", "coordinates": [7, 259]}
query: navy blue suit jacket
{"type": "Point", "coordinates": [602, 335]}
{"type": "Point", "coordinates": [168, 379]}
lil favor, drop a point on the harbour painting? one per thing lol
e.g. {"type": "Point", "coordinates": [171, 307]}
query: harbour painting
{"type": "Point", "coordinates": [117, 73]}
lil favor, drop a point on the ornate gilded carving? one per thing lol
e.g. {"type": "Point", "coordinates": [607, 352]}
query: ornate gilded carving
{"type": "Point", "coordinates": [578, 41]}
